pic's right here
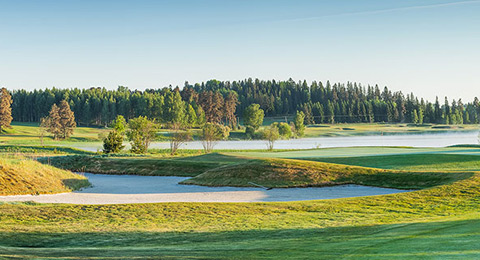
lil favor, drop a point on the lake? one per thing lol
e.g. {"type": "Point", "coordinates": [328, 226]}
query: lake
{"type": "Point", "coordinates": [413, 140]}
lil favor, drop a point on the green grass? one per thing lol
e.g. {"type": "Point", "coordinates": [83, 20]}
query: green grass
{"type": "Point", "coordinates": [445, 239]}
{"type": "Point", "coordinates": [381, 129]}
{"type": "Point", "coordinates": [283, 173]}
{"type": "Point", "coordinates": [404, 225]}
{"type": "Point", "coordinates": [36, 151]}
{"type": "Point", "coordinates": [148, 165]}
{"type": "Point", "coordinates": [354, 152]}
{"type": "Point", "coordinates": [28, 134]}
{"type": "Point", "coordinates": [30, 177]}
{"type": "Point", "coordinates": [412, 162]}
{"type": "Point", "coordinates": [440, 221]}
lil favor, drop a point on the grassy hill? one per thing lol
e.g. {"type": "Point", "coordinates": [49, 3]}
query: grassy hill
{"type": "Point", "coordinates": [283, 173]}
{"type": "Point", "coordinates": [432, 223]}
{"type": "Point", "coordinates": [439, 222]}
{"type": "Point", "coordinates": [30, 177]}
{"type": "Point", "coordinates": [218, 169]}
{"type": "Point", "coordinates": [141, 165]}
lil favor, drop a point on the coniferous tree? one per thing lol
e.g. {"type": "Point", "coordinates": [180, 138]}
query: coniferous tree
{"type": "Point", "coordinates": [299, 123]}
{"type": "Point", "coordinates": [191, 116]}
{"type": "Point", "coordinates": [340, 103]}
{"type": "Point", "coordinates": [53, 122]}
{"type": "Point", "coordinates": [201, 120]}
{"type": "Point", "coordinates": [67, 120]}
{"type": "Point", "coordinates": [5, 109]}
{"type": "Point", "coordinates": [230, 107]}
{"type": "Point", "coordinates": [113, 143]}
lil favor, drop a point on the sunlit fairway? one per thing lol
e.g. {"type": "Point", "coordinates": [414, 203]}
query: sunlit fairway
{"type": "Point", "coordinates": [380, 129]}
{"type": "Point", "coordinates": [437, 222]}
{"type": "Point", "coordinates": [28, 133]}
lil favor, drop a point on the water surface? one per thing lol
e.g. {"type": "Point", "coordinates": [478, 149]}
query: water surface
{"type": "Point", "coordinates": [413, 140]}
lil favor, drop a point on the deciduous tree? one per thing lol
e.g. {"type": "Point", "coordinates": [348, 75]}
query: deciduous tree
{"type": "Point", "coordinates": [252, 119]}
{"type": "Point", "coordinates": [140, 133]}
{"type": "Point", "coordinates": [271, 135]}
{"type": "Point", "coordinates": [212, 133]}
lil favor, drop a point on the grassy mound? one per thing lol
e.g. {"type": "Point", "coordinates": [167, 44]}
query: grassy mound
{"type": "Point", "coordinates": [146, 166]}
{"type": "Point", "coordinates": [405, 225]}
{"type": "Point", "coordinates": [412, 162]}
{"type": "Point", "coordinates": [284, 173]}
{"type": "Point", "coordinates": [436, 223]}
{"type": "Point", "coordinates": [30, 177]}
{"type": "Point", "coordinates": [39, 150]}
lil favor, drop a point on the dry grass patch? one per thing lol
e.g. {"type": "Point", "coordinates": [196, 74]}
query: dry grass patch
{"type": "Point", "coordinates": [19, 177]}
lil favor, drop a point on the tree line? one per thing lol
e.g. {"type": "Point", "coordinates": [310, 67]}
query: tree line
{"type": "Point", "coordinates": [224, 102]}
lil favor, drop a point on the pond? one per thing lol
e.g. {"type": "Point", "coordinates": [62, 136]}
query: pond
{"type": "Point", "coordinates": [119, 189]}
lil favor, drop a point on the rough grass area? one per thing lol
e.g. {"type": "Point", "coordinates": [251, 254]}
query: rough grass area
{"type": "Point", "coordinates": [30, 177]}
{"type": "Point", "coordinates": [29, 150]}
{"type": "Point", "coordinates": [151, 166]}
{"type": "Point", "coordinates": [433, 223]}
{"type": "Point", "coordinates": [283, 173]}
{"type": "Point", "coordinates": [439, 222]}
{"type": "Point", "coordinates": [413, 162]}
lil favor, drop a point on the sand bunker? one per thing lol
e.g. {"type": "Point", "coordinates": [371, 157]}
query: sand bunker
{"type": "Point", "coordinates": [121, 189]}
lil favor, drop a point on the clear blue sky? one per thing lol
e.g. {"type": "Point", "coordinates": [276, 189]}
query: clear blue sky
{"type": "Point", "coordinates": [430, 47]}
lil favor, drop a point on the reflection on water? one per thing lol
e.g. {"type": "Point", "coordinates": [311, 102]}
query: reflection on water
{"type": "Point", "coordinates": [414, 140]}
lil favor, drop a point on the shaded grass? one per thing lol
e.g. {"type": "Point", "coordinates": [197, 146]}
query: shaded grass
{"type": "Point", "coordinates": [151, 166]}
{"type": "Point", "coordinates": [413, 162]}
{"type": "Point", "coordinates": [461, 197]}
{"type": "Point", "coordinates": [283, 173]}
{"type": "Point", "coordinates": [435, 222]}
{"type": "Point", "coordinates": [39, 150]}
{"type": "Point", "coordinates": [30, 177]}
{"type": "Point", "coordinates": [452, 238]}
{"type": "Point", "coordinates": [438, 222]}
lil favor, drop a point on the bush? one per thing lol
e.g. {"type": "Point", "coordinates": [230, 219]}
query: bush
{"type": "Point", "coordinates": [212, 133]}
{"type": "Point", "coordinates": [113, 143]}
{"type": "Point", "coordinates": [284, 130]}
{"type": "Point", "coordinates": [250, 131]}
{"type": "Point", "coordinates": [271, 135]}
